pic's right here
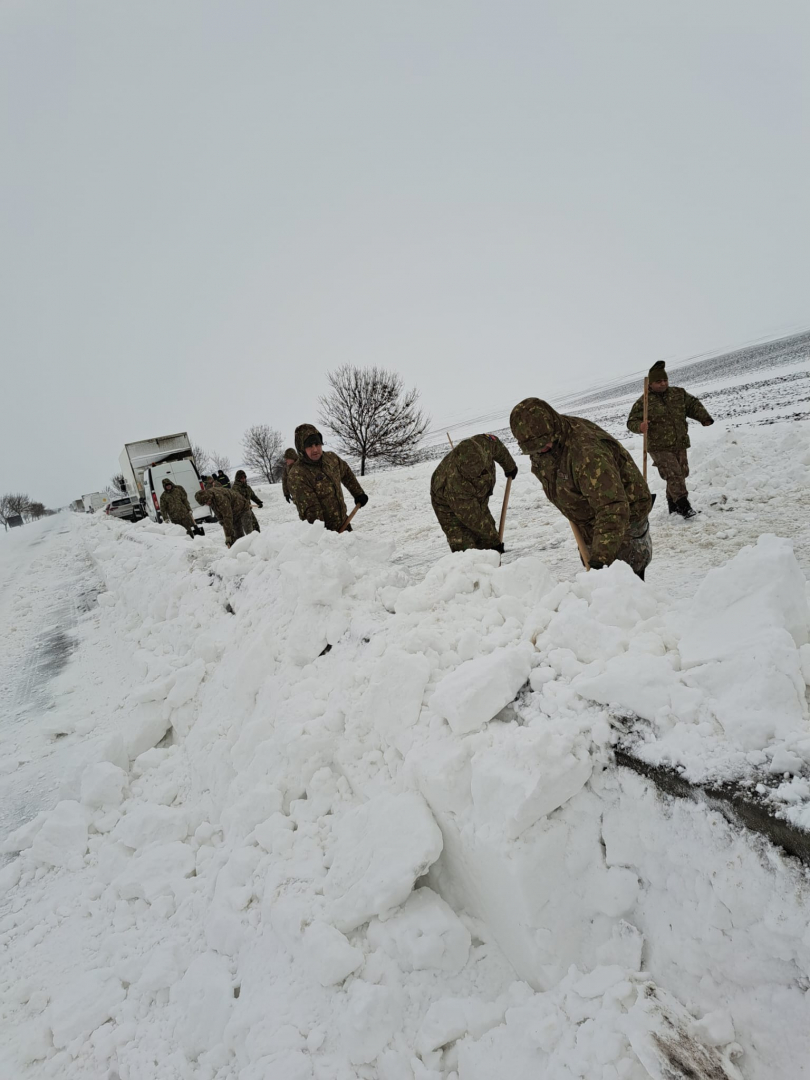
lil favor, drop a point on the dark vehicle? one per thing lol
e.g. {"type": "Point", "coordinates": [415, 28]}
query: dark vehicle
{"type": "Point", "coordinates": [14, 521]}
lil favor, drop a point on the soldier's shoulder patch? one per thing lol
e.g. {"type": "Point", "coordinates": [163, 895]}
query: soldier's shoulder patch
{"type": "Point", "coordinates": [493, 437]}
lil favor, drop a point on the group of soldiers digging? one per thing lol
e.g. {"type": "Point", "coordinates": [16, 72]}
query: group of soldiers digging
{"type": "Point", "coordinates": [585, 472]}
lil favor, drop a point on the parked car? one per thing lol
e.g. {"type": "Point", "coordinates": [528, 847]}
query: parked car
{"type": "Point", "coordinates": [126, 508]}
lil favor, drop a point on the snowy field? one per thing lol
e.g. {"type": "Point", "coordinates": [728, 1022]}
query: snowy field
{"type": "Point", "coordinates": [233, 853]}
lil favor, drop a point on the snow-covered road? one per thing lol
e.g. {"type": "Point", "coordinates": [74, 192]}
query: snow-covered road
{"type": "Point", "coordinates": [407, 858]}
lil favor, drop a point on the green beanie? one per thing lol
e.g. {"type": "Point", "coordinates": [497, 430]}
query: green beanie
{"type": "Point", "coordinates": [658, 372]}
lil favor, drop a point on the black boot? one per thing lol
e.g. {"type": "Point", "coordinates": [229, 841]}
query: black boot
{"type": "Point", "coordinates": [671, 505]}
{"type": "Point", "coordinates": [684, 508]}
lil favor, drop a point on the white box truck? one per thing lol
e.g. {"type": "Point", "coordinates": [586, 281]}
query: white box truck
{"type": "Point", "coordinates": [146, 463]}
{"type": "Point", "coordinates": [94, 501]}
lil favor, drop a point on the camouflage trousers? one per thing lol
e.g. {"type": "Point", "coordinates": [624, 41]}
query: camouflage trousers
{"type": "Point", "coordinates": [459, 536]}
{"type": "Point", "coordinates": [255, 522]}
{"type": "Point", "coordinates": [188, 524]}
{"type": "Point", "coordinates": [636, 546]}
{"type": "Point", "coordinates": [673, 466]}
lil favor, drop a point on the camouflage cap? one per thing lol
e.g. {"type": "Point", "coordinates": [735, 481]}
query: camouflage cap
{"type": "Point", "coordinates": [240, 474]}
{"type": "Point", "coordinates": [290, 454]}
{"type": "Point", "coordinates": [202, 497]}
{"type": "Point", "coordinates": [658, 372]}
{"type": "Point", "coordinates": [535, 424]}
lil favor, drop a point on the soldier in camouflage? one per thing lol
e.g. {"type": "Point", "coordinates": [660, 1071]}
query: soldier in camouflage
{"type": "Point", "coordinates": [241, 486]}
{"type": "Point", "coordinates": [591, 479]}
{"type": "Point", "coordinates": [668, 433]}
{"type": "Point", "coordinates": [315, 481]}
{"type": "Point", "coordinates": [232, 510]}
{"type": "Point", "coordinates": [460, 489]}
{"type": "Point", "coordinates": [174, 507]}
{"type": "Point", "coordinates": [290, 458]}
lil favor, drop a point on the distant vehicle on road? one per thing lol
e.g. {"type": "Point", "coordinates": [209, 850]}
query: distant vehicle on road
{"type": "Point", "coordinates": [94, 501]}
{"type": "Point", "coordinates": [145, 464]}
{"type": "Point", "coordinates": [14, 521]}
{"type": "Point", "coordinates": [125, 507]}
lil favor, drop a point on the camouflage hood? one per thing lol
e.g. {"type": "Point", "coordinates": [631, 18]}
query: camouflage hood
{"type": "Point", "coordinates": [471, 461]}
{"type": "Point", "coordinates": [290, 454]}
{"type": "Point", "coordinates": [535, 424]}
{"type": "Point", "coordinates": [203, 497]}
{"type": "Point", "coordinates": [167, 484]}
{"type": "Point", "coordinates": [302, 433]}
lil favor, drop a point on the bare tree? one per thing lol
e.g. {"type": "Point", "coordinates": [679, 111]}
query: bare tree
{"type": "Point", "coordinates": [36, 510]}
{"type": "Point", "coordinates": [220, 461]}
{"type": "Point", "coordinates": [201, 459]}
{"type": "Point", "coordinates": [371, 415]}
{"type": "Point", "coordinates": [118, 484]}
{"type": "Point", "coordinates": [12, 505]}
{"type": "Point", "coordinates": [262, 448]}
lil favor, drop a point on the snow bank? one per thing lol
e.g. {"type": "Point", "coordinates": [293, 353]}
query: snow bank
{"type": "Point", "coordinates": [402, 856]}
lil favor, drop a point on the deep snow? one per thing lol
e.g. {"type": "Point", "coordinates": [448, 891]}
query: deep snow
{"type": "Point", "coordinates": [409, 858]}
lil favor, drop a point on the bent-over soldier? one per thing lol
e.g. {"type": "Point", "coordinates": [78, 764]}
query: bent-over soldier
{"type": "Point", "coordinates": [316, 480]}
{"type": "Point", "coordinates": [290, 458]}
{"type": "Point", "coordinates": [175, 507]}
{"type": "Point", "coordinates": [232, 510]}
{"type": "Point", "coordinates": [668, 408]}
{"type": "Point", "coordinates": [460, 489]}
{"type": "Point", "coordinates": [591, 479]}
{"type": "Point", "coordinates": [241, 486]}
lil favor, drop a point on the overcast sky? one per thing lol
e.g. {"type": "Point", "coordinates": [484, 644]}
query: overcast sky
{"type": "Point", "coordinates": [206, 206]}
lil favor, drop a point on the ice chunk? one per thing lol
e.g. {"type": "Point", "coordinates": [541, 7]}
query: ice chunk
{"type": "Point", "coordinates": [382, 847]}
{"type": "Point", "coordinates": [526, 774]}
{"type": "Point", "coordinates": [62, 840]}
{"type": "Point", "coordinates": [373, 1015]}
{"type": "Point", "coordinates": [478, 689]}
{"type": "Point", "coordinates": [424, 933]}
{"type": "Point", "coordinates": [87, 1002]}
{"type": "Point", "coordinates": [103, 784]}
{"type": "Point", "coordinates": [394, 698]}
{"type": "Point", "coordinates": [329, 955]}
{"type": "Point", "coordinates": [204, 999]}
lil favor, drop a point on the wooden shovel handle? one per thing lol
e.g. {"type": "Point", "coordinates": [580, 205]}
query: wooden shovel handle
{"type": "Point", "coordinates": [583, 550]}
{"type": "Point", "coordinates": [502, 526]}
{"type": "Point", "coordinates": [348, 520]}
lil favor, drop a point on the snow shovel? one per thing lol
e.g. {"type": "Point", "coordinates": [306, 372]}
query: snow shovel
{"type": "Point", "coordinates": [583, 550]}
{"type": "Point", "coordinates": [348, 520]}
{"type": "Point", "coordinates": [646, 399]}
{"type": "Point", "coordinates": [502, 525]}
{"type": "Point", "coordinates": [450, 441]}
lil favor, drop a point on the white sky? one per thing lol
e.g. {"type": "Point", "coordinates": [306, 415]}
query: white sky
{"type": "Point", "coordinates": [205, 206]}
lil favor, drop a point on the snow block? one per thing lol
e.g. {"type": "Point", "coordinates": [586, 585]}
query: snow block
{"type": "Point", "coordinates": [382, 847]}
{"type": "Point", "coordinates": [329, 955]}
{"type": "Point", "coordinates": [394, 699]}
{"type": "Point", "coordinates": [526, 774]}
{"type": "Point", "coordinates": [103, 785]}
{"type": "Point", "coordinates": [424, 934]}
{"type": "Point", "coordinates": [85, 1005]}
{"type": "Point", "coordinates": [63, 838]}
{"type": "Point", "coordinates": [204, 998]}
{"type": "Point", "coordinates": [478, 689]}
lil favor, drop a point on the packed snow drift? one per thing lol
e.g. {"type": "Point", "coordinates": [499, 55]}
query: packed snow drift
{"type": "Point", "coordinates": [357, 820]}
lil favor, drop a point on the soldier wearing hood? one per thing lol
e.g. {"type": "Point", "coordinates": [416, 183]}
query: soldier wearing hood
{"type": "Point", "coordinates": [232, 510]}
{"type": "Point", "coordinates": [591, 479]}
{"type": "Point", "coordinates": [667, 431]}
{"type": "Point", "coordinates": [460, 489]}
{"type": "Point", "coordinates": [290, 458]}
{"type": "Point", "coordinates": [244, 489]}
{"type": "Point", "coordinates": [315, 481]}
{"type": "Point", "coordinates": [174, 506]}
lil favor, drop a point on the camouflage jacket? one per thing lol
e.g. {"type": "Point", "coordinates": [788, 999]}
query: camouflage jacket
{"type": "Point", "coordinates": [465, 479]}
{"type": "Point", "coordinates": [174, 505]}
{"type": "Point", "coordinates": [227, 504]}
{"type": "Point", "coordinates": [243, 488]}
{"type": "Point", "coordinates": [667, 415]}
{"type": "Point", "coordinates": [285, 470]}
{"type": "Point", "coordinates": [587, 474]}
{"type": "Point", "coordinates": [315, 486]}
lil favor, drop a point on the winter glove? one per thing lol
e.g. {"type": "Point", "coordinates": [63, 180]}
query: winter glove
{"type": "Point", "coordinates": [361, 500]}
{"type": "Point", "coordinates": [707, 423]}
{"type": "Point", "coordinates": [597, 564]}
{"type": "Point", "coordinates": [511, 474]}
{"type": "Point", "coordinates": [259, 503]}
{"type": "Point", "coordinates": [499, 548]}
{"type": "Point", "coordinates": [287, 497]}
